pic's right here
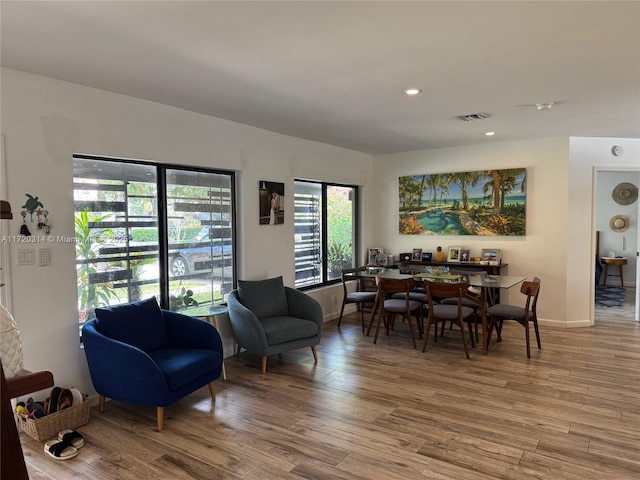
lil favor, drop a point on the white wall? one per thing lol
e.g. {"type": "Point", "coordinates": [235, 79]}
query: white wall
{"type": "Point", "coordinates": [45, 121]}
{"type": "Point", "coordinates": [542, 252]}
{"type": "Point", "coordinates": [587, 157]}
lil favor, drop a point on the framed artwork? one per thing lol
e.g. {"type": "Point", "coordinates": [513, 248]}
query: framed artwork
{"type": "Point", "coordinates": [426, 256]}
{"type": "Point", "coordinates": [383, 258]}
{"type": "Point", "coordinates": [438, 203]}
{"type": "Point", "coordinates": [271, 203]}
{"type": "Point", "coordinates": [491, 255]}
{"type": "Point", "coordinates": [454, 254]}
{"type": "Point", "coordinates": [417, 254]}
{"type": "Point", "coordinates": [465, 255]}
{"type": "Point", "coordinates": [373, 257]}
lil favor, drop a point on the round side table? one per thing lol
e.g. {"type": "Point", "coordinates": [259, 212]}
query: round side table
{"type": "Point", "coordinates": [619, 261]}
{"type": "Point", "coordinates": [210, 314]}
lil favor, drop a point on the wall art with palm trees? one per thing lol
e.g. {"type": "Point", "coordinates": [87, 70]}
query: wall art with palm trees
{"type": "Point", "coordinates": [484, 202]}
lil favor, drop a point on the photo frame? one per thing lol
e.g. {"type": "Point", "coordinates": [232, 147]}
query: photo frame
{"type": "Point", "coordinates": [417, 254]}
{"type": "Point", "coordinates": [491, 255]}
{"type": "Point", "coordinates": [271, 203]}
{"type": "Point", "coordinates": [465, 255]}
{"type": "Point", "coordinates": [373, 255]}
{"type": "Point", "coordinates": [454, 255]}
{"type": "Point", "coordinates": [383, 258]}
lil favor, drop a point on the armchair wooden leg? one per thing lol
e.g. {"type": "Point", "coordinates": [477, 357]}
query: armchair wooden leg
{"type": "Point", "coordinates": [212, 390]}
{"type": "Point", "coordinates": [315, 354]}
{"type": "Point", "coordinates": [264, 364]}
{"type": "Point", "coordinates": [101, 404]}
{"type": "Point", "coordinates": [160, 417]}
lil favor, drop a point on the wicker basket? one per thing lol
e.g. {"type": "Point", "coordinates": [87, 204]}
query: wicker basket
{"type": "Point", "coordinates": [49, 426]}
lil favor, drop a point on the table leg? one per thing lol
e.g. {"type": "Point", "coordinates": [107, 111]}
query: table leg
{"type": "Point", "coordinates": [213, 319]}
{"type": "Point", "coordinates": [621, 281]}
{"type": "Point", "coordinates": [606, 272]}
{"type": "Point", "coordinates": [483, 312]}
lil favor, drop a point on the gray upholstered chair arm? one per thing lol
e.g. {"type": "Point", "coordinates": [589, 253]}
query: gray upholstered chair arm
{"type": "Point", "coordinates": [246, 327]}
{"type": "Point", "coordinates": [303, 306]}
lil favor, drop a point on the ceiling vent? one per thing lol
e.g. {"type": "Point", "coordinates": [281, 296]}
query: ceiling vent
{"type": "Point", "coordinates": [473, 116]}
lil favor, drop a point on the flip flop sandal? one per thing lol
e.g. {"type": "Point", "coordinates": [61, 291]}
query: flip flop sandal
{"type": "Point", "coordinates": [71, 437]}
{"type": "Point", "coordinates": [60, 450]}
{"type": "Point", "coordinates": [65, 399]}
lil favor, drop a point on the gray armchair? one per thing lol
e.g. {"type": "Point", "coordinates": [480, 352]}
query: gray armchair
{"type": "Point", "coordinates": [268, 318]}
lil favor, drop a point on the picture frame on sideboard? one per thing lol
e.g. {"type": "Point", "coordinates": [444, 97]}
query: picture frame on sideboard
{"type": "Point", "coordinates": [491, 255]}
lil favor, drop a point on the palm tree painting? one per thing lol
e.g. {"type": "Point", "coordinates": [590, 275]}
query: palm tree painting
{"type": "Point", "coordinates": [485, 202]}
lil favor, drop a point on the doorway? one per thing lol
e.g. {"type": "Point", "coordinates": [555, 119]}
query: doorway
{"type": "Point", "coordinates": [616, 220]}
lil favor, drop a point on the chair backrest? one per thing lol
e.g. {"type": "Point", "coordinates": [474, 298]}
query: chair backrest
{"type": "Point", "coordinates": [388, 286]}
{"type": "Point", "coordinates": [348, 275]}
{"type": "Point", "coordinates": [531, 290]}
{"type": "Point", "coordinates": [445, 290]}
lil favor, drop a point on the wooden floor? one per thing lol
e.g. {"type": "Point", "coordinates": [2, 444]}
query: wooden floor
{"type": "Point", "coordinates": [387, 411]}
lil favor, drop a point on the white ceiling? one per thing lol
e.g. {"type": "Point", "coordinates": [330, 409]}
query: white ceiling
{"type": "Point", "coordinates": [334, 71]}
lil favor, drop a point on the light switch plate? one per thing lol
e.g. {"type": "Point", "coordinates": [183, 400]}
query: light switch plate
{"type": "Point", "coordinates": [26, 256]}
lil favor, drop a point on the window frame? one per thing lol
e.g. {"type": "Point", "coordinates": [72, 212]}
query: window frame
{"type": "Point", "coordinates": [324, 186]}
{"type": "Point", "coordinates": [161, 170]}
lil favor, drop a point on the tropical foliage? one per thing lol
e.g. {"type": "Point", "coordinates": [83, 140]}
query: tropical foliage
{"type": "Point", "coordinates": [485, 202]}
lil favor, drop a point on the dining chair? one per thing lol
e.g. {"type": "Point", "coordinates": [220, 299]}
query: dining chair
{"type": "Point", "coordinates": [359, 297]}
{"type": "Point", "coordinates": [418, 294]}
{"type": "Point", "coordinates": [389, 307]}
{"type": "Point", "coordinates": [441, 313]}
{"type": "Point", "coordinates": [497, 314]}
{"type": "Point", "coordinates": [471, 298]}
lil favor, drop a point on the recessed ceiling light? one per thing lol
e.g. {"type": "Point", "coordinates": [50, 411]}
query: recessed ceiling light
{"type": "Point", "coordinates": [544, 106]}
{"type": "Point", "coordinates": [412, 91]}
{"type": "Point", "coordinates": [490, 134]}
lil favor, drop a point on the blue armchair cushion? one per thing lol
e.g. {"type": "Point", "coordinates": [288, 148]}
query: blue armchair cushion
{"type": "Point", "coordinates": [265, 298]}
{"type": "Point", "coordinates": [140, 324]}
{"type": "Point", "coordinates": [282, 329]}
{"type": "Point", "coordinates": [180, 365]}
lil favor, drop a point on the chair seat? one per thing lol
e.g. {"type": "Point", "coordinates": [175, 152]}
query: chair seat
{"type": "Point", "coordinates": [399, 305]}
{"type": "Point", "coordinates": [282, 329]}
{"type": "Point", "coordinates": [417, 296]}
{"type": "Point", "coordinates": [361, 296]}
{"type": "Point", "coordinates": [181, 366]}
{"type": "Point", "coordinates": [510, 312]}
{"type": "Point", "coordinates": [466, 302]}
{"type": "Point", "coordinates": [450, 312]}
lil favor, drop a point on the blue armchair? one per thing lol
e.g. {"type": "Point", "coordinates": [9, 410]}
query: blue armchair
{"type": "Point", "coordinates": [140, 354]}
{"type": "Point", "coordinates": [269, 318]}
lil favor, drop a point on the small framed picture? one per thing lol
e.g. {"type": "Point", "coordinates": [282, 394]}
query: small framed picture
{"type": "Point", "coordinates": [383, 258]}
{"type": "Point", "coordinates": [426, 256]}
{"type": "Point", "coordinates": [417, 254]}
{"type": "Point", "coordinates": [464, 255]}
{"type": "Point", "coordinates": [454, 254]}
{"type": "Point", "coordinates": [491, 255]}
{"type": "Point", "coordinates": [373, 257]}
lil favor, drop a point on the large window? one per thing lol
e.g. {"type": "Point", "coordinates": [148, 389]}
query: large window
{"type": "Point", "coordinates": [147, 230]}
{"type": "Point", "coordinates": [325, 231]}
